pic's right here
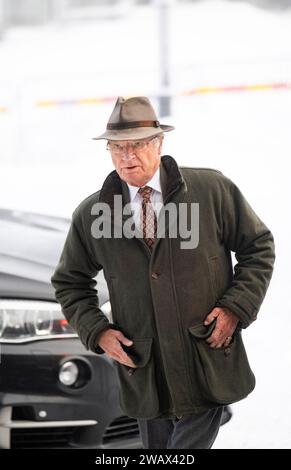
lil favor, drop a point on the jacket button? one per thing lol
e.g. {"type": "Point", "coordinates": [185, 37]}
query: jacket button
{"type": "Point", "coordinates": [130, 371]}
{"type": "Point", "coordinates": [155, 275]}
{"type": "Point", "coordinates": [227, 351]}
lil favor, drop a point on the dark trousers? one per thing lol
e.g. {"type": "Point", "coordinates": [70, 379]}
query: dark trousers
{"type": "Point", "coordinates": [192, 431]}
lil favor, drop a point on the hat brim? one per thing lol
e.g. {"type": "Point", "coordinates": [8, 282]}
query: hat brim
{"type": "Point", "coordinates": [134, 133]}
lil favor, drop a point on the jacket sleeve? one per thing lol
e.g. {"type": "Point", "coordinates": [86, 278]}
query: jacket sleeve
{"type": "Point", "coordinates": [74, 284]}
{"type": "Point", "coordinates": [246, 235]}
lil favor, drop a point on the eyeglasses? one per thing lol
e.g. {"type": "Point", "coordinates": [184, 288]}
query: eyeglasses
{"type": "Point", "coordinates": [136, 146]}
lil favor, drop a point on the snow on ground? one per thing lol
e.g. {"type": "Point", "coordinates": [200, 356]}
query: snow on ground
{"type": "Point", "coordinates": [48, 161]}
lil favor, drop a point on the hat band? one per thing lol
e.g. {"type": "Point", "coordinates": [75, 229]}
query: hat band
{"type": "Point", "coordinates": [130, 125]}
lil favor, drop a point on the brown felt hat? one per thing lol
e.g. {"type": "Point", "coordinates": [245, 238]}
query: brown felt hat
{"type": "Point", "coordinates": [132, 119]}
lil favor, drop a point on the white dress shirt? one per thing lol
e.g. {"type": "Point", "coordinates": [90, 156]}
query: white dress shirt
{"type": "Point", "coordinates": [156, 197]}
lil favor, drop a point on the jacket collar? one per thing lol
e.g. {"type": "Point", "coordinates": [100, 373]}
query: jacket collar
{"type": "Point", "coordinates": [170, 176]}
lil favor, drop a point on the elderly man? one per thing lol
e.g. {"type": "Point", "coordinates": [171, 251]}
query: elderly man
{"type": "Point", "coordinates": [178, 309]}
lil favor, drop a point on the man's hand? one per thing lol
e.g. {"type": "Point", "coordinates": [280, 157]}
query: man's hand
{"type": "Point", "coordinates": [110, 341]}
{"type": "Point", "coordinates": [226, 323]}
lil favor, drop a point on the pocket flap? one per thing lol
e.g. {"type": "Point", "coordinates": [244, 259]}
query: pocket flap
{"type": "Point", "coordinates": [140, 351]}
{"type": "Point", "coordinates": [202, 331]}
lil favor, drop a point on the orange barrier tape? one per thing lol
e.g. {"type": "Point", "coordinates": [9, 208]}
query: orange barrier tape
{"type": "Point", "coordinates": [238, 88]}
{"type": "Point", "coordinates": [195, 91]}
{"type": "Point", "coordinates": [68, 102]}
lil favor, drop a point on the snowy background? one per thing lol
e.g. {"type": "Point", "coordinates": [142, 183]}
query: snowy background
{"type": "Point", "coordinates": [54, 80]}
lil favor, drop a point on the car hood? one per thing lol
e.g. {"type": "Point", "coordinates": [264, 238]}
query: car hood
{"type": "Point", "coordinates": [30, 247]}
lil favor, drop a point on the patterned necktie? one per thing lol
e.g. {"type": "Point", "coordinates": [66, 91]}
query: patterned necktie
{"type": "Point", "coordinates": [148, 217]}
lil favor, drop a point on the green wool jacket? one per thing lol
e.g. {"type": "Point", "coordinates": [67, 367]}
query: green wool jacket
{"type": "Point", "coordinates": [160, 298]}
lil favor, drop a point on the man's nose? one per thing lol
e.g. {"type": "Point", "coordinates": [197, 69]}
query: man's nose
{"type": "Point", "coordinates": [128, 154]}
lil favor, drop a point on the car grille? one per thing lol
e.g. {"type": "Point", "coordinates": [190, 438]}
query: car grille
{"type": "Point", "coordinates": [121, 428]}
{"type": "Point", "coordinates": [42, 438]}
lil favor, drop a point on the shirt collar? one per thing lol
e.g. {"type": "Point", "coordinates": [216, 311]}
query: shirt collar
{"type": "Point", "coordinates": [153, 183]}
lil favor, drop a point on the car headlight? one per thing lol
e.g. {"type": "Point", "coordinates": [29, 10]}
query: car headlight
{"type": "Point", "coordinates": [28, 320]}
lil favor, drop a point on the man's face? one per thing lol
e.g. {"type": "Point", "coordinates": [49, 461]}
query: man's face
{"type": "Point", "coordinates": [136, 161]}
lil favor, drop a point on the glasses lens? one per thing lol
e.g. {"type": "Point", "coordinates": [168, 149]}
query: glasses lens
{"type": "Point", "coordinates": [134, 145]}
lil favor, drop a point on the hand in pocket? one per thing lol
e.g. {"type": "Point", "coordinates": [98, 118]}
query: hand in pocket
{"type": "Point", "coordinates": [112, 342]}
{"type": "Point", "coordinates": [226, 323]}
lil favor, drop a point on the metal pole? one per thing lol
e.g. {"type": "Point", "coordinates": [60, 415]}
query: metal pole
{"type": "Point", "coordinates": [163, 15]}
{"type": "Point", "coordinates": [58, 10]}
{"type": "Point", "coordinates": [2, 19]}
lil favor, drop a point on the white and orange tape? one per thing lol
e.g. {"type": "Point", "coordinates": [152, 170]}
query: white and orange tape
{"type": "Point", "coordinates": [283, 86]}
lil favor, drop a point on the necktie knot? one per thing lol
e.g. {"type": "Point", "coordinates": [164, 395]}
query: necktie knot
{"type": "Point", "coordinates": [145, 193]}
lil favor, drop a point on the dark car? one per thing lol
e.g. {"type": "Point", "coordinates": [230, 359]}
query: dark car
{"type": "Point", "coordinates": [53, 392]}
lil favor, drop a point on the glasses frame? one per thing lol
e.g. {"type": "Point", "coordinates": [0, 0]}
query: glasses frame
{"type": "Point", "coordinates": [121, 151]}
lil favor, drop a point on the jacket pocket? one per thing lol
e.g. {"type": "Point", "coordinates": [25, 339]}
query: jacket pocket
{"type": "Point", "coordinates": [138, 391]}
{"type": "Point", "coordinates": [223, 374]}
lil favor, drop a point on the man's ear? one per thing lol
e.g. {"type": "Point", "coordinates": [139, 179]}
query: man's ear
{"type": "Point", "coordinates": [161, 143]}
